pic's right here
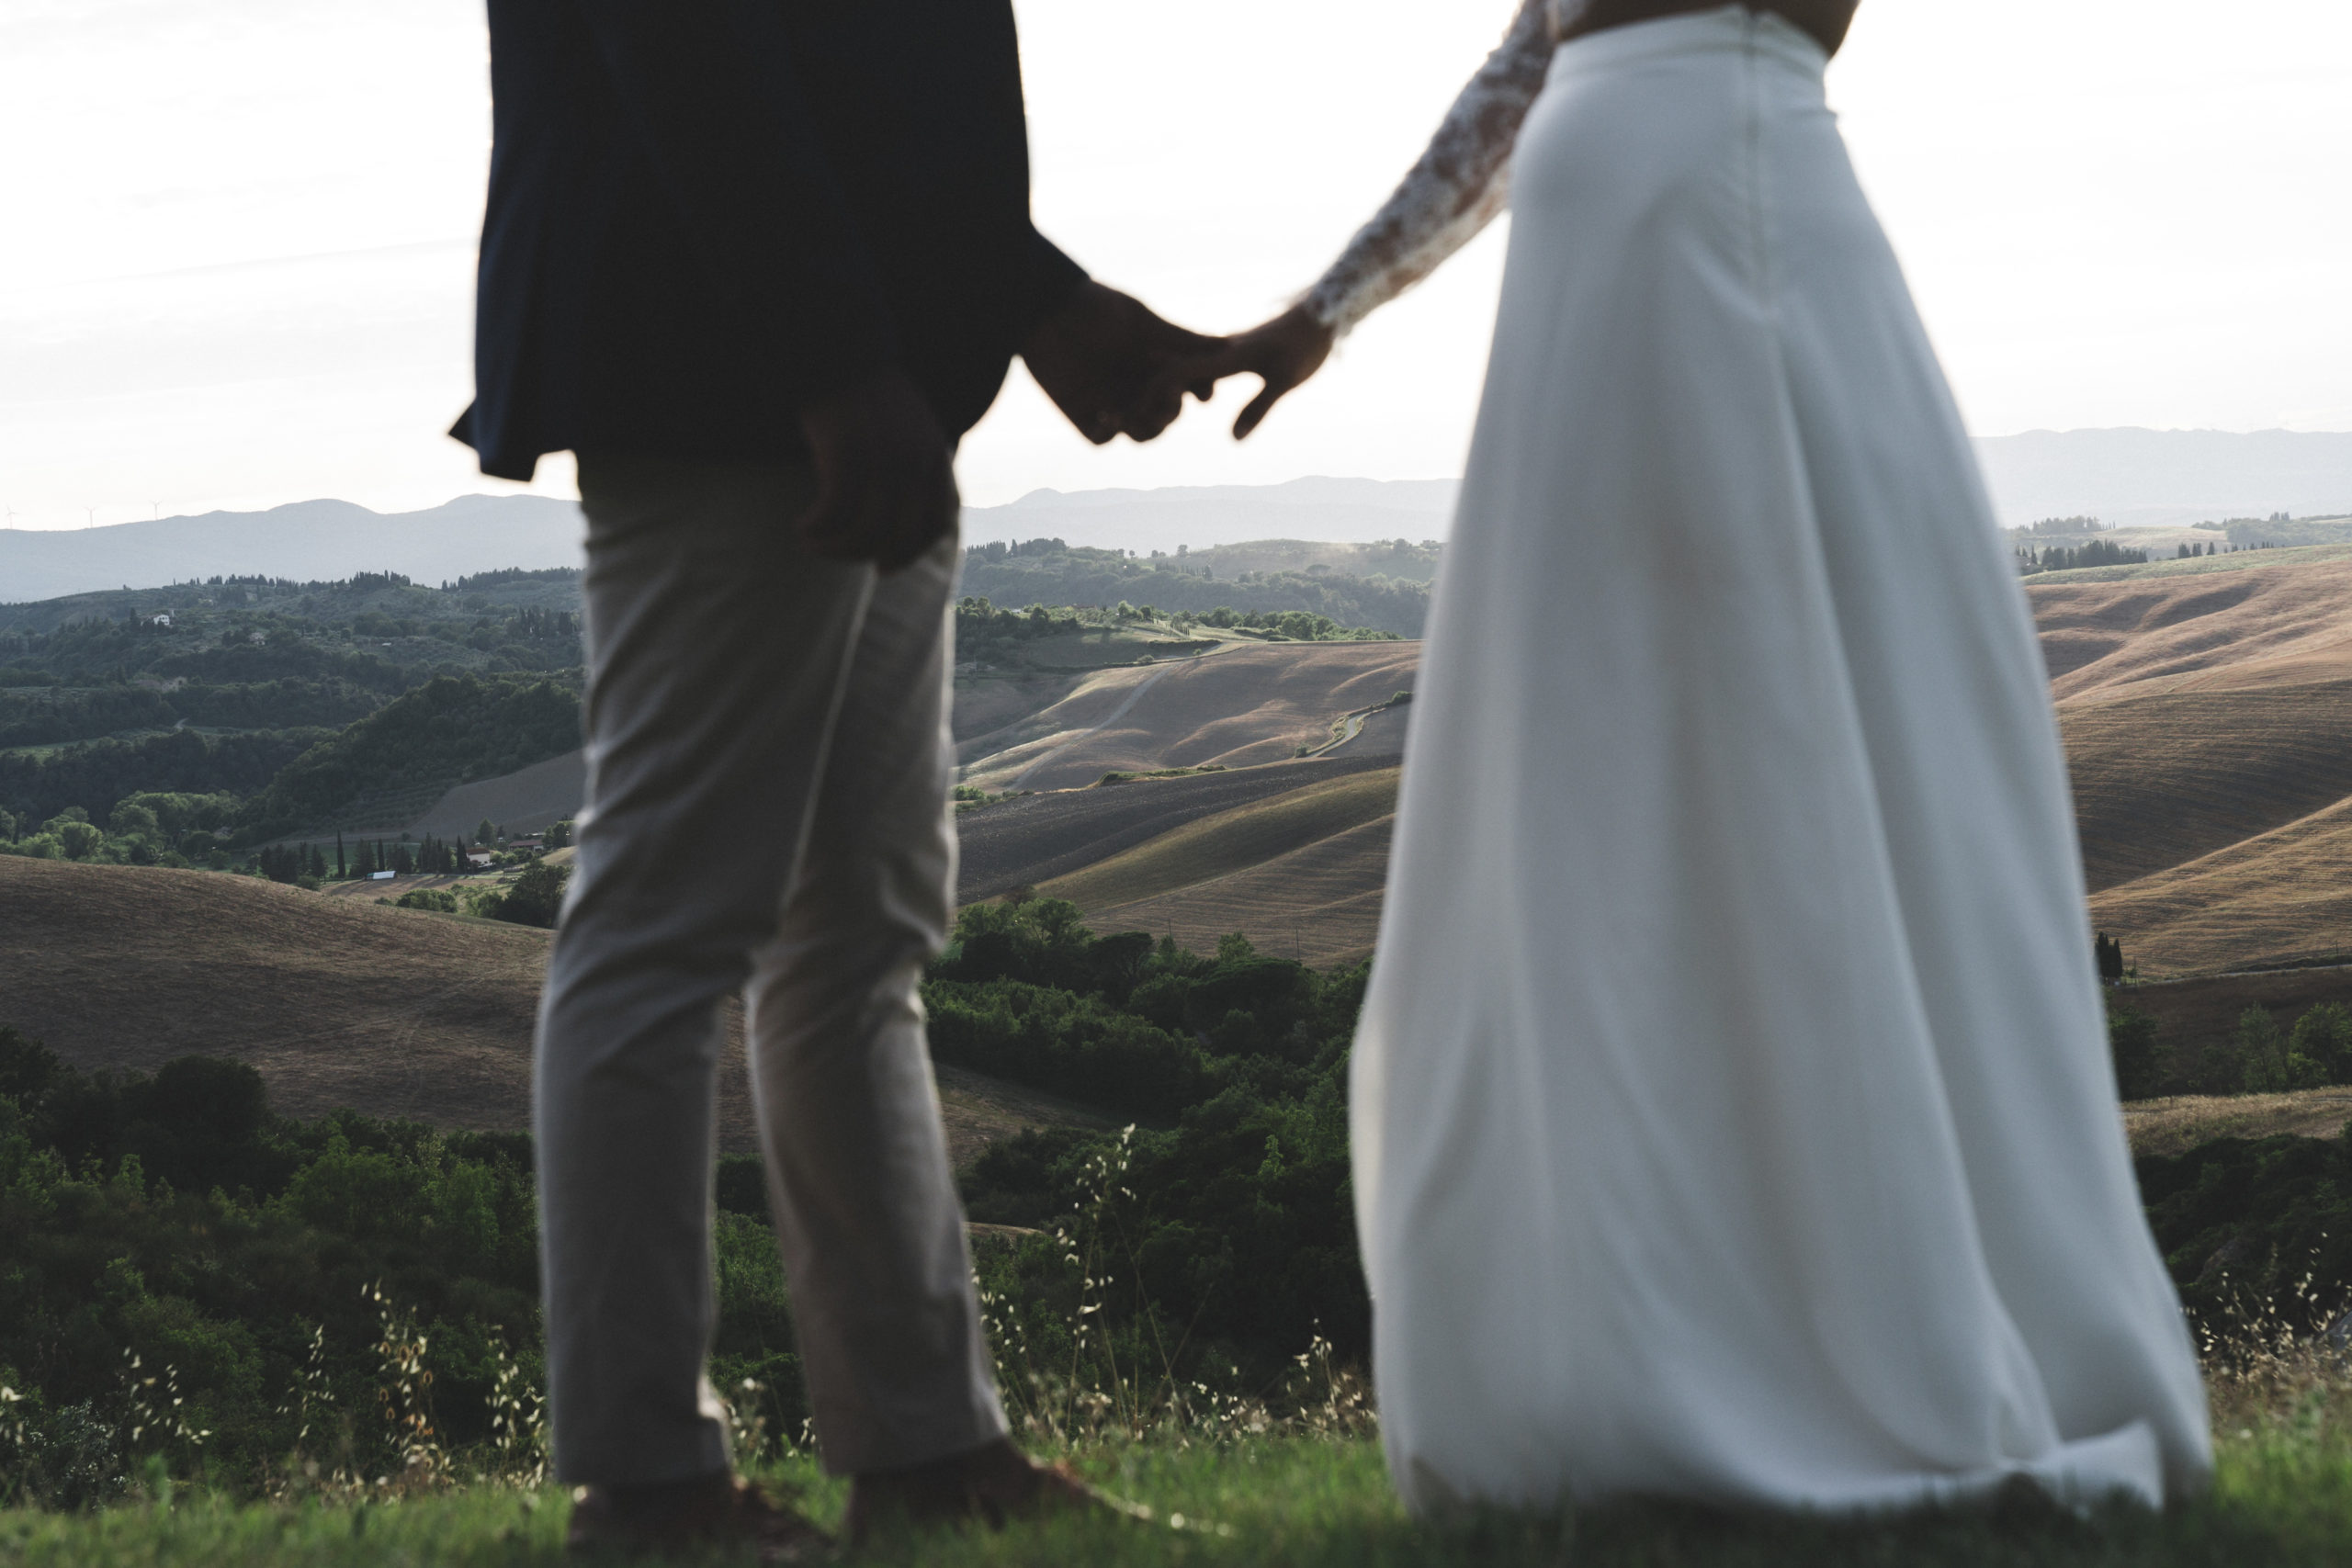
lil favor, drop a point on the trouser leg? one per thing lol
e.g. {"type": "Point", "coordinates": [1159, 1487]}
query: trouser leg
{"type": "Point", "coordinates": [717, 653]}
{"type": "Point", "coordinates": [866, 1208]}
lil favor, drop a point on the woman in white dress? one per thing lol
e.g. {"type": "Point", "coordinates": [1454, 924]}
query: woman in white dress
{"type": "Point", "coordinates": [1732, 1114]}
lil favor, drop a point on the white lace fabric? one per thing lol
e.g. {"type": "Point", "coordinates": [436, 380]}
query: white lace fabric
{"type": "Point", "coordinates": [1460, 183]}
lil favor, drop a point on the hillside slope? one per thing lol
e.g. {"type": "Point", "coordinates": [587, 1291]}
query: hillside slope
{"type": "Point", "coordinates": [1032, 839]}
{"type": "Point", "coordinates": [2284, 897]}
{"type": "Point", "coordinates": [1238, 707]}
{"type": "Point", "coordinates": [2207, 718]}
{"type": "Point", "coordinates": [337, 1002]}
{"type": "Point", "coordinates": [1300, 873]}
{"type": "Point", "coordinates": [2163, 779]}
{"type": "Point", "coordinates": [2271, 626]}
{"type": "Point", "coordinates": [2207, 723]}
{"type": "Point", "coordinates": [523, 802]}
{"type": "Point", "coordinates": [406, 755]}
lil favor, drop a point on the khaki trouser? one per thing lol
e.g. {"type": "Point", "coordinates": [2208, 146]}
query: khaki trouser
{"type": "Point", "coordinates": [768, 769]}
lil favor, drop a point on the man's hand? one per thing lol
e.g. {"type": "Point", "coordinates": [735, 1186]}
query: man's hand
{"type": "Point", "coordinates": [886, 479]}
{"type": "Point", "coordinates": [1282, 353]}
{"type": "Point", "coordinates": [1106, 361]}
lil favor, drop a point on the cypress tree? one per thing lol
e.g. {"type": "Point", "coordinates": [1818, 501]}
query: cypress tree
{"type": "Point", "coordinates": [341, 875]}
{"type": "Point", "coordinates": [2110, 952]}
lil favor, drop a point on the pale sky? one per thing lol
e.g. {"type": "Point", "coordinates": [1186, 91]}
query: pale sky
{"type": "Point", "coordinates": [236, 236]}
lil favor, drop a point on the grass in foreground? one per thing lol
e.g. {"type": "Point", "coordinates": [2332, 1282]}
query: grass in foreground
{"type": "Point", "coordinates": [2282, 1497]}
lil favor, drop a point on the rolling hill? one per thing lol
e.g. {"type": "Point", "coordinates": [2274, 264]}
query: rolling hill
{"type": "Point", "coordinates": [2283, 623]}
{"type": "Point", "coordinates": [522, 802]}
{"type": "Point", "coordinates": [2207, 722]}
{"type": "Point", "coordinates": [2162, 780]}
{"type": "Point", "coordinates": [2206, 716]}
{"type": "Point", "coordinates": [2279, 898]}
{"type": "Point", "coordinates": [1300, 873]}
{"type": "Point", "coordinates": [1239, 705]}
{"type": "Point", "coordinates": [336, 1001]}
{"type": "Point", "coordinates": [1032, 839]}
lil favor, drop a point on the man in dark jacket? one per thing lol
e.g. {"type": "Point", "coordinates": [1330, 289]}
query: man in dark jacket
{"type": "Point", "coordinates": [759, 264]}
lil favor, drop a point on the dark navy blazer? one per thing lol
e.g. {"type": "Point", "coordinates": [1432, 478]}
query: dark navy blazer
{"type": "Point", "coordinates": [703, 211]}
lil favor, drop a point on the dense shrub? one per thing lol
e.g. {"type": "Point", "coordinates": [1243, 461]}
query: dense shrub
{"type": "Point", "coordinates": [95, 775]}
{"type": "Point", "coordinates": [177, 1219]}
{"type": "Point", "coordinates": [535, 899]}
{"type": "Point", "coordinates": [2139, 1056]}
{"type": "Point", "coordinates": [2259, 1056]}
{"type": "Point", "coordinates": [2245, 1222]}
{"type": "Point", "coordinates": [49, 718]}
{"type": "Point", "coordinates": [154, 828]}
{"type": "Point", "coordinates": [1075, 1045]}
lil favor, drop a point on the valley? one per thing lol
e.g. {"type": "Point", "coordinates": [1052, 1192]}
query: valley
{"type": "Point", "coordinates": [1178, 774]}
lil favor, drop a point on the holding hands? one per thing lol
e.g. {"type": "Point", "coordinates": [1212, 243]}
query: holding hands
{"type": "Point", "coordinates": [1282, 353]}
{"type": "Point", "coordinates": [1114, 368]}
{"type": "Point", "coordinates": [886, 482]}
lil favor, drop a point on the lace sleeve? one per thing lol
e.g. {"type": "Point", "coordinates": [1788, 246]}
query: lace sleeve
{"type": "Point", "coordinates": [1455, 189]}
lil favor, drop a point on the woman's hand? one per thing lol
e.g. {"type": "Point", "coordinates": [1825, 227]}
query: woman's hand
{"type": "Point", "coordinates": [1282, 353]}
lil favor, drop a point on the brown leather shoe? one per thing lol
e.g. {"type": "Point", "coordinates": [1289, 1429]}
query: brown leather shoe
{"type": "Point", "coordinates": [993, 1485]}
{"type": "Point", "coordinates": [680, 1515]}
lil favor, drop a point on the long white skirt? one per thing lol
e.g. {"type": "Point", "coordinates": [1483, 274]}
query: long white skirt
{"type": "Point", "coordinates": [1733, 1113]}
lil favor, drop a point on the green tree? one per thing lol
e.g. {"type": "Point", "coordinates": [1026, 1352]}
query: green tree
{"type": "Point", "coordinates": [2110, 952]}
{"type": "Point", "coordinates": [130, 819]}
{"type": "Point", "coordinates": [2270, 1062]}
{"type": "Point", "coordinates": [2140, 1059]}
{"type": "Point", "coordinates": [80, 840]}
{"type": "Point", "coordinates": [536, 898]}
{"type": "Point", "coordinates": [2323, 1037]}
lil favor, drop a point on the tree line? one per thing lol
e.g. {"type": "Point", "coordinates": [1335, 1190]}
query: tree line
{"type": "Point", "coordinates": [2262, 1055]}
{"type": "Point", "coordinates": [981, 627]}
{"type": "Point", "coordinates": [63, 714]}
{"type": "Point", "coordinates": [1033, 574]}
{"type": "Point", "coordinates": [2091, 552]}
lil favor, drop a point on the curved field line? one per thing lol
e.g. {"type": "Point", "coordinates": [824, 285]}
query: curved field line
{"type": "Point", "coordinates": [1113, 717]}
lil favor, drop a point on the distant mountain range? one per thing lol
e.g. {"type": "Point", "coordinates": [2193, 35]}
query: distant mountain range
{"type": "Point", "coordinates": [2119, 476]}
{"type": "Point", "coordinates": [1354, 511]}
{"type": "Point", "coordinates": [306, 541]}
